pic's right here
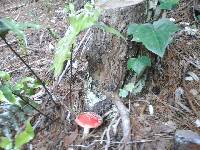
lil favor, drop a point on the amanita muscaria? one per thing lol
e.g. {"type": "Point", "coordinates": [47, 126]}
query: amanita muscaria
{"type": "Point", "coordinates": [88, 120]}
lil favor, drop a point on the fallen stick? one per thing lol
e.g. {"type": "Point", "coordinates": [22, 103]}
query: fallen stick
{"type": "Point", "coordinates": [126, 123]}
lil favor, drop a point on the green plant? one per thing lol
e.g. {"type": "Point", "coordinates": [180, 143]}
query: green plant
{"type": "Point", "coordinates": [7, 24]}
{"type": "Point", "coordinates": [168, 4]}
{"type": "Point", "coordinates": [79, 21]}
{"type": "Point", "coordinates": [133, 88]}
{"type": "Point", "coordinates": [20, 139]}
{"type": "Point", "coordinates": [155, 37]}
{"type": "Point", "coordinates": [138, 65]}
{"type": "Point", "coordinates": [16, 105]}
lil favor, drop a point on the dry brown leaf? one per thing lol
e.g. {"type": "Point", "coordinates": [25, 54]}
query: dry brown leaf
{"type": "Point", "coordinates": [71, 138]}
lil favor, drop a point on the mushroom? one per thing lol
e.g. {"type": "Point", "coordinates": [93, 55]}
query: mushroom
{"type": "Point", "coordinates": [88, 120]}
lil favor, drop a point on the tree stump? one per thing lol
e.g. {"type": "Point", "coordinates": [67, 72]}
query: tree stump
{"type": "Point", "coordinates": [107, 53]}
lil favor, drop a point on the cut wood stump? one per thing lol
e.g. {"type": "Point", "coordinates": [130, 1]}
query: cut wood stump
{"type": "Point", "coordinates": [107, 53]}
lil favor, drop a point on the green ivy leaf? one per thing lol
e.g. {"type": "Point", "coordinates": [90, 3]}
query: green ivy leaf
{"type": "Point", "coordinates": [5, 143]}
{"type": "Point", "coordinates": [168, 4]}
{"type": "Point", "coordinates": [109, 29]}
{"type": "Point", "coordinates": [156, 36]}
{"type": "Point", "coordinates": [4, 76]}
{"type": "Point", "coordinates": [25, 136]}
{"type": "Point", "coordinates": [139, 64]}
{"type": "Point", "coordinates": [123, 93]}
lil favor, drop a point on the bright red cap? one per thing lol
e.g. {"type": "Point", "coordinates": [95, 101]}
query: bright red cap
{"type": "Point", "coordinates": [89, 120]}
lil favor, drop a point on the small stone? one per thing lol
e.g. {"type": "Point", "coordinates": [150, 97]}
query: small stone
{"type": "Point", "coordinates": [187, 136]}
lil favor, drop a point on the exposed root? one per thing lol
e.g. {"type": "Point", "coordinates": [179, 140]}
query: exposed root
{"type": "Point", "coordinates": [126, 125]}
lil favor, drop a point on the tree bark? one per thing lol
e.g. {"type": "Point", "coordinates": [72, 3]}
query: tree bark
{"type": "Point", "coordinates": [106, 53]}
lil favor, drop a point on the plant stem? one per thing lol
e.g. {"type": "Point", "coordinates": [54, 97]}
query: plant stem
{"type": "Point", "coordinates": [70, 85]}
{"type": "Point", "coordinates": [38, 78]}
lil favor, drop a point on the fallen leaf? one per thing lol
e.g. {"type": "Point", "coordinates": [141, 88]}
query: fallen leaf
{"type": "Point", "coordinates": [71, 138]}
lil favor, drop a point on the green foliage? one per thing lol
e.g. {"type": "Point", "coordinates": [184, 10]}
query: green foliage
{"type": "Point", "coordinates": [168, 4]}
{"type": "Point", "coordinates": [79, 21]}
{"type": "Point", "coordinates": [14, 110]}
{"type": "Point", "coordinates": [7, 24]}
{"type": "Point", "coordinates": [4, 76]}
{"type": "Point", "coordinates": [133, 88]}
{"type": "Point", "coordinates": [6, 143]}
{"type": "Point", "coordinates": [20, 139]}
{"type": "Point", "coordinates": [156, 36]}
{"type": "Point", "coordinates": [24, 136]}
{"type": "Point", "coordinates": [139, 64]}
{"type": "Point", "coordinates": [7, 95]}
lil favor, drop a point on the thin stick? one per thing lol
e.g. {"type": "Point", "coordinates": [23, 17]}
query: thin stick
{"type": "Point", "coordinates": [70, 85]}
{"type": "Point", "coordinates": [38, 78]}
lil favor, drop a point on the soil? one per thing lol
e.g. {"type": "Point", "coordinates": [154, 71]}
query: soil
{"type": "Point", "coordinates": [172, 89]}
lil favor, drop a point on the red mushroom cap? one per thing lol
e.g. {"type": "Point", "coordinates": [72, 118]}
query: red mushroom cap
{"type": "Point", "coordinates": [89, 120]}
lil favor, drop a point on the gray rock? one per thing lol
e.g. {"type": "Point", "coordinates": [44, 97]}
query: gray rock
{"type": "Point", "coordinates": [187, 136]}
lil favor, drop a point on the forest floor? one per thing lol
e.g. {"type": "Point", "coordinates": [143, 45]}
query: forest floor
{"type": "Point", "coordinates": [174, 92]}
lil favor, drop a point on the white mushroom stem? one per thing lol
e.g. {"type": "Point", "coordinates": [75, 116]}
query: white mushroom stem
{"type": "Point", "coordinates": [85, 132]}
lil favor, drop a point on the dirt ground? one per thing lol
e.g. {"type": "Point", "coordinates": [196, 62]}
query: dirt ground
{"type": "Point", "coordinates": [174, 91]}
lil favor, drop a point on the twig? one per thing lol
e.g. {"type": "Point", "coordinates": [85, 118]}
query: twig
{"type": "Point", "coordinates": [38, 78]}
{"type": "Point", "coordinates": [131, 142]}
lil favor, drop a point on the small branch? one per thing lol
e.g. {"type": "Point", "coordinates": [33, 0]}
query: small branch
{"type": "Point", "coordinates": [38, 78]}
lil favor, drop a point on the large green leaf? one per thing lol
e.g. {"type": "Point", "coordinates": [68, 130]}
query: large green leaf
{"type": "Point", "coordinates": [139, 64]}
{"type": "Point", "coordinates": [2, 97]}
{"type": "Point", "coordinates": [4, 75]}
{"type": "Point", "coordinates": [5, 143]}
{"type": "Point", "coordinates": [63, 51]}
{"type": "Point", "coordinates": [8, 95]}
{"type": "Point", "coordinates": [154, 36]}
{"type": "Point", "coordinates": [168, 4]}
{"type": "Point", "coordinates": [25, 136]}
{"type": "Point", "coordinates": [79, 21]}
